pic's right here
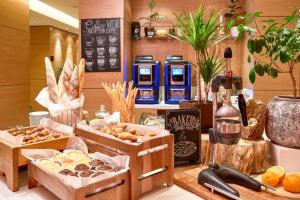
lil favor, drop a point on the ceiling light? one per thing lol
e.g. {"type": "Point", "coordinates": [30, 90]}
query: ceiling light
{"type": "Point", "coordinates": [53, 13]}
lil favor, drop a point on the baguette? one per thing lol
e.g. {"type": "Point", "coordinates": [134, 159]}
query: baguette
{"type": "Point", "coordinates": [65, 77]}
{"type": "Point", "coordinates": [51, 82]}
{"type": "Point", "coordinates": [74, 85]}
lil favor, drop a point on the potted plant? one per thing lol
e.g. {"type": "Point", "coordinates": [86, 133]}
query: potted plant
{"type": "Point", "coordinates": [279, 45]}
{"type": "Point", "coordinates": [154, 16]}
{"type": "Point", "coordinates": [200, 29]}
{"type": "Point", "coordinates": [237, 20]}
{"type": "Point", "coordinates": [211, 66]}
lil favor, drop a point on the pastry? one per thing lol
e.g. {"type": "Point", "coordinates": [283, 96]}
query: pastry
{"type": "Point", "coordinates": [51, 82]}
{"type": "Point", "coordinates": [151, 134]}
{"type": "Point", "coordinates": [86, 173]}
{"type": "Point", "coordinates": [67, 160]}
{"type": "Point", "coordinates": [96, 163]}
{"type": "Point", "coordinates": [74, 84]}
{"type": "Point", "coordinates": [55, 166]}
{"type": "Point", "coordinates": [104, 168]}
{"type": "Point", "coordinates": [132, 131]}
{"type": "Point", "coordinates": [82, 167]}
{"type": "Point", "coordinates": [59, 157]}
{"type": "Point", "coordinates": [70, 166]}
{"type": "Point", "coordinates": [84, 160]}
{"type": "Point", "coordinates": [67, 172]}
{"type": "Point", "coordinates": [96, 174]}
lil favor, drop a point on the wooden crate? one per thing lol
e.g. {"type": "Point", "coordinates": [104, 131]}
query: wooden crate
{"type": "Point", "coordinates": [116, 187]}
{"type": "Point", "coordinates": [12, 159]}
{"type": "Point", "coordinates": [150, 165]}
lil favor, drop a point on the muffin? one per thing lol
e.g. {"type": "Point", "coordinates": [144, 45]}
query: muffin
{"type": "Point", "coordinates": [86, 174]}
{"type": "Point", "coordinates": [96, 163]}
{"type": "Point", "coordinates": [67, 172]}
{"type": "Point", "coordinates": [82, 168]}
{"type": "Point", "coordinates": [96, 174]}
{"type": "Point", "coordinates": [104, 168]}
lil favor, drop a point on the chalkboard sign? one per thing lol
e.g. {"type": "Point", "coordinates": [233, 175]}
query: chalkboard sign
{"type": "Point", "coordinates": [100, 44]}
{"type": "Point", "coordinates": [186, 127]}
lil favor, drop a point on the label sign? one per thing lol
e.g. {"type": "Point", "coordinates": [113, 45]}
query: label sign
{"type": "Point", "coordinates": [185, 124]}
{"type": "Point", "coordinates": [100, 44]}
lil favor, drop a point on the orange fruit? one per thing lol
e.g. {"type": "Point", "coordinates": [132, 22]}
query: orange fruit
{"type": "Point", "coordinates": [277, 170]}
{"type": "Point", "coordinates": [270, 178]}
{"type": "Point", "coordinates": [291, 182]}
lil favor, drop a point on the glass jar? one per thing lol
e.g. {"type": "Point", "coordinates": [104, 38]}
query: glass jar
{"type": "Point", "coordinates": [102, 112]}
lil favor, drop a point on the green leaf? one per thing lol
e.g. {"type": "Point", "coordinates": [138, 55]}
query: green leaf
{"type": "Point", "coordinates": [273, 73]}
{"type": "Point", "coordinates": [256, 14]}
{"type": "Point", "coordinates": [230, 23]}
{"type": "Point", "coordinates": [250, 45]}
{"type": "Point", "coordinates": [249, 58]}
{"type": "Point", "coordinates": [259, 69]}
{"type": "Point", "coordinates": [290, 18]}
{"type": "Point", "coordinates": [284, 57]}
{"type": "Point", "coordinates": [258, 45]}
{"type": "Point", "coordinates": [266, 68]}
{"type": "Point", "coordinates": [252, 75]}
{"type": "Point", "coordinates": [228, 15]}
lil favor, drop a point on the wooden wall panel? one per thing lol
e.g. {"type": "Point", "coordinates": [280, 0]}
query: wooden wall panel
{"type": "Point", "coordinates": [273, 7]}
{"type": "Point", "coordinates": [13, 56]}
{"type": "Point", "coordinates": [14, 53]}
{"type": "Point", "coordinates": [14, 105]}
{"type": "Point", "coordinates": [15, 14]}
{"type": "Point", "coordinates": [35, 88]}
{"type": "Point", "coordinates": [93, 98]}
{"type": "Point", "coordinates": [100, 9]}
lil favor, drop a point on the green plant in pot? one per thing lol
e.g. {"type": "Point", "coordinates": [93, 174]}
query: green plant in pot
{"type": "Point", "coordinates": [237, 20]}
{"type": "Point", "coordinates": [276, 50]}
{"type": "Point", "coordinates": [200, 29]}
{"type": "Point", "coordinates": [153, 17]}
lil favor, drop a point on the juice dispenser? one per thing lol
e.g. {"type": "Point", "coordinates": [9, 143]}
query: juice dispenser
{"type": "Point", "coordinates": [146, 75]}
{"type": "Point", "coordinates": [177, 79]}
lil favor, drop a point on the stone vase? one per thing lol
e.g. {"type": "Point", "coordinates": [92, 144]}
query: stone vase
{"type": "Point", "coordinates": [283, 121]}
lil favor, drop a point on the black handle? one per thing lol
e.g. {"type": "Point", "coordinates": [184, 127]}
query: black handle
{"type": "Point", "coordinates": [242, 107]}
{"type": "Point", "coordinates": [234, 176]}
{"type": "Point", "coordinates": [208, 176]}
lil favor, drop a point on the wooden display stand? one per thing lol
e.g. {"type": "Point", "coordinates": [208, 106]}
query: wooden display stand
{"type": "Point", "coordinates": [116, 188]}
{"type": "Point", "coordinates": [248, 156]}
{"type": "Point", "coordinates": [151, 162]}
{"type": "Point", "coordinates": [11, 158]}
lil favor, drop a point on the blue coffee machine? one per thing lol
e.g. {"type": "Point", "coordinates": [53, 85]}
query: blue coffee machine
{"type": "Point", "coordinates": [177, 79]}
{"type": "Point", "coordinates": [146, 77]}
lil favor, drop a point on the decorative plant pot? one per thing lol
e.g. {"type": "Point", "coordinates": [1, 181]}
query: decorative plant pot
{"type": "Point", "coordinates": [206, 112]}
{"type": "Point", "coordinates": [234, 32]}
{"type": "Point", "coordinates": [283, 121]}
{"type": "Point", "coordinates": [149, 31]}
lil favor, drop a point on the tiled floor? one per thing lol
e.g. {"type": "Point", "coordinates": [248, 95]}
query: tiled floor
{"type": "Point", "coordinates": [41, 193]}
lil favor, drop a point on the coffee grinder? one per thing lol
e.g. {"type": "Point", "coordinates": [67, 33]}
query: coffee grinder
{"type": "Point", "coordinates": [146, 77]}
{"type": "Point", "coordinates": [177, 79]}
{"type": "Point", "coordinates": [227, 130]}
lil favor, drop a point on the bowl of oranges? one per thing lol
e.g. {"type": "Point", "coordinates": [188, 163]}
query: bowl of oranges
{"type": "Point", "coordinates": [286, 184]}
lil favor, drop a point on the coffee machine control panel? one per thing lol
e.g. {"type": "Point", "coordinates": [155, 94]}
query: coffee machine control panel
{"type": "Point", "coordinates": [145, 75]}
